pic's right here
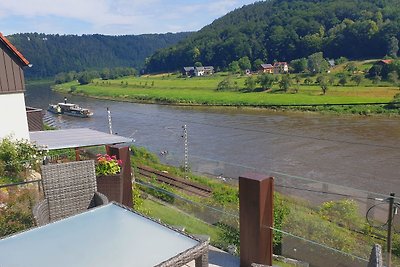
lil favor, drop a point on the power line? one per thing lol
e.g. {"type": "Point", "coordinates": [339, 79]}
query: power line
{"type": "Point", "coordinates": [379, 196]}
{"type": "Point", "coordinates": [295, 177]}
{"type": "Point", "coordinates": [303, 179]}
{"type": "Point", "coordinates": [327, 193]}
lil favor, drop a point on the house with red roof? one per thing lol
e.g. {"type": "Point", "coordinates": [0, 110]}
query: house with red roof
{"type": "Point", "coordinates": [13, 120]}
{"type": "Point", "coordinates": [277, 68]}
{"type": "Point", "coordinates": [267, 68]}
{"type": "Point", "coordinates": [281, 67]}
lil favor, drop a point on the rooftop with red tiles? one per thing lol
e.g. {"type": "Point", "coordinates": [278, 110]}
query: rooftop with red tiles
{"type": "Point", "coordinates": [14, 50]}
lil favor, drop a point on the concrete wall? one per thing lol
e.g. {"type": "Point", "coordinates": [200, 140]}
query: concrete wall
{"type": "Point", "coordinates": [13, 119]}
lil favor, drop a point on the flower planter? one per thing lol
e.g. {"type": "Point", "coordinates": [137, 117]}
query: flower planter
{"type": "Point", "coordinates": [111, 186]}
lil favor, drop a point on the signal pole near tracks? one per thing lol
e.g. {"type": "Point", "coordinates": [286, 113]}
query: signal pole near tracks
{"type": "Point", "coordinates": [186, 150]}
{"type": "Point", "coordinates": [109, 121]}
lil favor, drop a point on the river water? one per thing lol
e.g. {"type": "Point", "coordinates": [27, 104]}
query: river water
{"type": "Point", "coordinates": [354, 152]}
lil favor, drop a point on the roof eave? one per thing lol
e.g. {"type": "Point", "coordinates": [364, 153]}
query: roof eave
{"type": "Point", "coordinates": [14, 50]}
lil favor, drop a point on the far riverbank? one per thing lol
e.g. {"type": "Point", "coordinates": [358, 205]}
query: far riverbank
{"type": "Point", "coordinates": [171, 90]}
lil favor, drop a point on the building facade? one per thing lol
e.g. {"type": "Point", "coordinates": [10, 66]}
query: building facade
{"type": "Point", "coordinates": [267, 68]}
{"type": "Point", "coordinates": [13, 118]}
{"type": "Point", "coordinates": [197, 71]}
{"type": "Point", "coordinates": [281, 67]}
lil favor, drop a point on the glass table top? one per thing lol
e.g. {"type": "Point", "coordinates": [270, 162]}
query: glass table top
{"type": "Point", "coordinates": [106, 236]}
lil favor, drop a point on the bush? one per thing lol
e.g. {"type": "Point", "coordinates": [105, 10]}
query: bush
{"type": "Point", "coordinates": [227, 84]}
{"type": "Point", "coordinates": [229, 235]}
{"type": "Point", "coordinates": [302, 223]}
{"type": "Point", "coordinates": [138, 200]}
{"type": "Point", "coordinates": [396, 245]}
{"type": "Point", "coordinates": [281, 211]}
{"type": "Point", "coordinates": [15, 214]}
{"type": "Point", "coordinates": [17, 156]}
{"type": "Point", "coordinates": [341, 60]}
{"type": "Point", "coordinates": [250, 83]}
{"type": "Point", "coordinates": [72, 89]}
{"type": "Point", "coordinates": [141, 154]}
{"type": "Point", "coordinates": [342, 212]}
{"type": "Point", "coordinates": [225, 194]}
{"type": "Point", "coordinates": [395, 102]}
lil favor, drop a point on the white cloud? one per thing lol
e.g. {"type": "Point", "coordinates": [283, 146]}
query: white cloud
{"type": "Point", "coordinates": [115, 16]}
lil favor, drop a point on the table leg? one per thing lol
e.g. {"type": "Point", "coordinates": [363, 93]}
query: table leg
{"type": "Point", "coordinates": [202, 261]}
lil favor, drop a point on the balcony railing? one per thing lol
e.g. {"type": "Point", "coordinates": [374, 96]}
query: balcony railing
{"type": "Point", "coordinates": [35, 119]}
{"type": "Point", "coordinates": [316, 223]}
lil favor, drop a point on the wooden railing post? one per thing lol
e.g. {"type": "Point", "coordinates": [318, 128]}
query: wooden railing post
{"type": "Point", "coordinates": [122, 152]}
{"type": "Point", "coordinates": [256, 219]}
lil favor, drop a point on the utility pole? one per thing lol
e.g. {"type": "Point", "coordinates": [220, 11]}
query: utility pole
{"type": "Point", "coordinates": [389, 233]}
{"type": "Point", "coordinates": [109, 121]}
{"type": "Point", "coordinates": [186, 151]}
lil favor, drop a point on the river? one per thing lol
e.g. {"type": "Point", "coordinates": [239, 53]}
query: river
{"type": "Point", "coordinates": [353, 152]}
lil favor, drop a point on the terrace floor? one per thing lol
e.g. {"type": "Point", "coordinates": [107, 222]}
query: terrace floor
{"type": "Point", "coordinates": [217, 257]}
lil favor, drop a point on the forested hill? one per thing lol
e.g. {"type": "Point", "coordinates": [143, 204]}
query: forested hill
{"type": "Point", "coordinates": [52, 54]}
{"type": "Point", "coordinates": [289, 29]}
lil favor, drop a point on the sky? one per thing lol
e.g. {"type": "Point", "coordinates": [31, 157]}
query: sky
{"type": "Point", "coordinates": [111, 17]}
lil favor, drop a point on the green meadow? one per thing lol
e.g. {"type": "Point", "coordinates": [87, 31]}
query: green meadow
{"type": "Point", "coordinates": [173, 89]}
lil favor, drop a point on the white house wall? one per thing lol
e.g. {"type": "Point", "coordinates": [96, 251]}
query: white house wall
{"type": "Point", "coordinates": [13, 118]}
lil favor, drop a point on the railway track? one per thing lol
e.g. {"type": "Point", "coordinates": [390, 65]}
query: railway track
{"type": "Point", "coordinates": [186, 186]}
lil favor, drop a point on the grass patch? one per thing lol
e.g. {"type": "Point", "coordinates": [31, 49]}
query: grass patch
{"type": "Point", "coordinates": [172, 216]}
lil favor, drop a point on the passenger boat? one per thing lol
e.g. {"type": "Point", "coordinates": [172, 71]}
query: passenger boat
{"type": "Point", "coordinates": [69, 109]}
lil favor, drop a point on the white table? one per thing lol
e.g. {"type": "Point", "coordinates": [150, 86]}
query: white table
{"type": "Point", "coordinates": [108, 236]}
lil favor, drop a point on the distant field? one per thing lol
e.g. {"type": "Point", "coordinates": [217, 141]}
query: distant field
{"type": "Point", "coordinates": [363, 65]}
{"type": "Point", "coordinates": [170, 89]}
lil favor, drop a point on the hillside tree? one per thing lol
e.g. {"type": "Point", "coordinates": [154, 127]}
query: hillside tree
{"type": "Point", "coordinates": [343, 80]}
{"type": "Point", "coordinates": [393, 77]}
{"type": "Point", "coordinates": [299, 65]}
{"type": "Point", "coordinates": [266, 80]}
{"type": "Point", "coordinates": [285, 82]}
{"type": "Point", "coordinates": [323, 83]}
{"type": "Point", "coordinates": [297, 81]}
{"type": "Point", "coordinates": [234, 67]}
{"type": "Point", "coordinates": [393, 47]}
{"type": "Point", "coordinates": [317, 63]}
{"type": "Point", "coordinates": [250, 83]}
{"type": "Point", "coordinates": [244, 63]}
{"type": "Point", "coordinates": [227, 84]}
{"type": "Point", "coordinates": [257, 64]}
{"type": "Point", "coordinates": [357, 79]}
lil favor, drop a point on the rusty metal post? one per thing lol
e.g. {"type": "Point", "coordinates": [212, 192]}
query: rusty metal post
{"type": "Point", "coordinates": [77, 154]}
{"type": "Point", "coordinates": [389, 231]}
{"type": "Point", "coordinates": [256, 219]}
{"type": "Point", "coordinates": [122, 152]}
